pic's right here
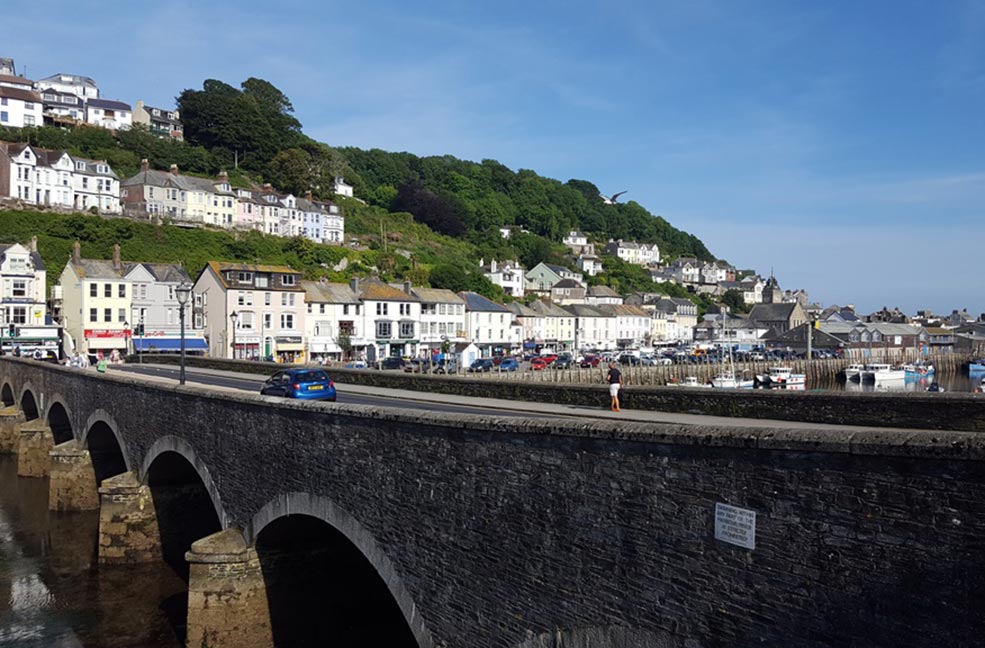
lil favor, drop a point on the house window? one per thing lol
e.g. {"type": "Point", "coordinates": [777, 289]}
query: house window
{"type": "Point", "coordinates": [345, 309]}
{"type": "Point", "coordinates": [123, 290]}
{"type": "Point", "coordinates": [266, 296]}
{"type": "Point", "coordinates": [3, 115]}
{"type": "Point", "coordinates": [107, 314]}
{"type": "Point", "coordinates": [19, 315]}
{"type": "Point", "coordinates": [288, 280]}
{"type": "Point", "coordinates": [121, 315]}
{"type": "Point", "coordinates": [383, 330]}
{"type": "Point", "coordinates": [29, 120]}
{"type": "Point", "coordinates": [93, 290]}
{"type": "Point", "coordinates": [108, 290]}
{"type": "Point", "coordinates": [19, 289]}
{"type": "Point", "coordinates": [406, 330]}
{"type": "Point", "coordinates": [286, 320]}
{"type": "Point", "coordinates": [93, 315]}
{"type": "Point", "coordinates": [244, 277]}
{"type": "Point", "coordinates": [268, 320]}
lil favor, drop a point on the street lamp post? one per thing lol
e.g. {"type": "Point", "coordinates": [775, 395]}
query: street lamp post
{"type": "Point", "coordinates": [183, 291]}
{"type": "Point", "coordinates": [234, 316]}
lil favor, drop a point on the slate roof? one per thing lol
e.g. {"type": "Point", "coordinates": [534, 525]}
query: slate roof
{"type": "Point", "coordinates": [90, 168]}
{"type": "Point", "coordinates": [162, 115]}
{"type": "Point", "coordinates": [219, 267]}
{"type": "Point", "coordinates": [164, 272]}
{"type": "Point", "coordinates": [602, 291]}
{"type": "Point", "coordinates": [772, 312]}
{"type": "Point", "coordinates": [582, 310]}
{"type": "Point", "coordinates": [549, 309]}
{"type": "Point", "coordinates": [329, 293]}
{"type": "Point", "coordinates": [522, 310]}
{"type": "Point", "coordinates": [475, 302]}
{"type": "Point", "coordinates": [376, 290]}
{"type": "Point", "coordinates": [437, 296]}
{"type": "Point", "coordinates": [108, 104]}
{"type": "Point", "coordinates": [17, 93]}
{"type": "Point", "coordinates": [7, 78]}
{"type": "Point", "coordinates": [155, 178]}
{"type": "Point", "coordinates": [97, 269]}
{"type": "Point", "coordinates": [567, 283]}
{"type": "Point", "coordinates": [74, 78]}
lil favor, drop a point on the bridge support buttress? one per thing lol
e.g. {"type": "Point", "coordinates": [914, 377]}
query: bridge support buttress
{"type": "Point", "coordinates": [34, 442]}
{"type": "Point", "coordinates": [10, 418]}
{"type": "Point", "coordinates": [72, 482]}
{"type": "Point", "coordinates": [227, 597]}
{"type": "Point", "coordinates": [128, 529]}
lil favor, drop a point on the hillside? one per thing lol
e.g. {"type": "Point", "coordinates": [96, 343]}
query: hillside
{"type": "Point", "coordinates": [427, 219]}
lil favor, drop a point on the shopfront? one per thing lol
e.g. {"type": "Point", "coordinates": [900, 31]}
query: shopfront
{"type": "Point", "coordinates": [169, 344]}
{"type": "Point", "coordinates": [103, 342]}
{"type": "Point", "coordinates": [29, 339]}
{"type": "Point", "coordinates": [289, 349]}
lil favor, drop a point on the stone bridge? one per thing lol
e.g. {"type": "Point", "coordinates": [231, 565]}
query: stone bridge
{"type": "Point", "coordinates": [297, 523]}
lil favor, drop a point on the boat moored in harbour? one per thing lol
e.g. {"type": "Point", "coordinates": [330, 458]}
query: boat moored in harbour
{"type": "Point", "coordinates": [782, 377]}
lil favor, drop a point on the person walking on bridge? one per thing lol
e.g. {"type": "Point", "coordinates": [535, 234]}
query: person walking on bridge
{"type": "Point", "coordinates": [614, 377]}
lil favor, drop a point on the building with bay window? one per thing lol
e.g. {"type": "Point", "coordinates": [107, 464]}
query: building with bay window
{"type": "Point", "coordinates": [22, 285]}
{"type": "Point", "coordinates": [334, 327]}
{"type": "Point", "coordinates": [251, 311]}
{"type": "Point", "coordinates": [391, 318]}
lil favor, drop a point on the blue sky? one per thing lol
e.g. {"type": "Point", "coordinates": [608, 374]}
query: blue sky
{"type": "Point", "coordinates": [838, 142]}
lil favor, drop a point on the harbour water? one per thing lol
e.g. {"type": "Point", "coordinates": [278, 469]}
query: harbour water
{"type": "Point", "coordinates": [54, 595]}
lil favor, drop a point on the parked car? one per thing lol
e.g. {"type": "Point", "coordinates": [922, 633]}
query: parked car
{"type": "Point", "coordinates": [508, 364]}
{"type": "Point", "coordinates": [539, 364]}
{"type": "Point", "coordinates": [629, 359]}
{"type": "Point", "coordinates": [392, 363]}
{"type": "Point", "coordinates": [590, 361]}
{"type": "Point", "coordinates": [482, 365]}
{"type": "Point", "coordinates": [304, 384]}
{"type": "Point", "coordinates": [417, 365]}
{"type": "Point", "coordinates": [548, 357]}
{"type": "Point", "coordinates": [444, 366]}
{"type": "Point", "coordinates": [564, 361]}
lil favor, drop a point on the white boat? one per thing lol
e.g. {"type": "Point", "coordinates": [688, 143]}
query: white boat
{"type": "Point", "coordinates": [883, 373]}
{"type": "Point", "coordinates": [728, 380]}
{"type": "Point", "coordinates": [782, 377]}
{"type": "Point", "coordinates": [854, 371]}
{"type": "Point", "coordinates": [689, 381]}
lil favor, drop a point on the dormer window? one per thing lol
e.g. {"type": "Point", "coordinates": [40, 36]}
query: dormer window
{"type": "Point", "coordinates": [288, 280]}
{"type": "Point", "coordinates": [80, 166]}
{"type": "Point", "coordinates": [156, 112]}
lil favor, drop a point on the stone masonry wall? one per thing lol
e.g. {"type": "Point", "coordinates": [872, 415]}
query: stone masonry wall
{"type": "Point", "coordinates": [507, 532]}
{"type": "Point", "coordinates": [950, 411]}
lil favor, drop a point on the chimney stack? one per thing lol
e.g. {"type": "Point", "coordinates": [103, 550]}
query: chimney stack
{"type": "Point", "coordinates": [117, 263]}
{"type": "Point", "coordinates": [267, 187]}
{"type": "Point", "coordinates": [222, 177]}
{"type": "Point", "coordinates": [174, 169]}
{"type": "Point", "coordinates": [407, 287]}
{"type": "Point", "coordinates": [76, 253]}
{"type": "Point", "coordinates": [354, 284]}
{"type": "Point", "coordinates": [34, 244]}
{"type": "Point", "coordinates": [144, 165]}
{"type": "Point", "coordinates": [307, 196]}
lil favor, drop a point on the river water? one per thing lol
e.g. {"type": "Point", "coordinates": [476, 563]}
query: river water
{"type": "Point", "coordinates": [54, 595]}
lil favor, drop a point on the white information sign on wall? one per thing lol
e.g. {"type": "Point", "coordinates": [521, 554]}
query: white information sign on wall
{"type": "Point", "coordinates": [735, 525]}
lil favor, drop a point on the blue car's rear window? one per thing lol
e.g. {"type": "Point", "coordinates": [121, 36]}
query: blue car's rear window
{"type": "Point", "coordinates": [311, 376]}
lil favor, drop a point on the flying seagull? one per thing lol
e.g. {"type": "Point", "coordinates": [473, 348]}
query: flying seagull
{"type": "Point", "coordinates": [615, 196]}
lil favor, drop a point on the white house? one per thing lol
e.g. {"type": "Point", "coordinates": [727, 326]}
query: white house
{"type": "Point", "coordinates": [96, 185]}
{"type": "Point", "coordinates": [22, 285]}
{"type": "Point", "coordinates": [443, 318]}
{"type": "Point", "coordinates": [341, 188]}
{"type": "Point", "coordinates": [633, 326]}
{"type": "Point", "coordinates": [106, 113]}
{"type": "Point", "coordinates": [490, 325]}
{"type": "Point", "coordinates": [508, 275]}
{"type": "Point", "coordinates": [80, 86]}
{"type": "Point", "coordinates": [558, 331]}
{"type": "Point", "coordinates": [633, 252]}
{"type": "Point", "coordinates": [594, 329]}
{"type": "Point", "coordinates": [60, 106]}
{"type": "Point", "coordinates": [155, 317]}
{"type": "Point", "coordinates": [602, 295]}
{"type": "Point", "coordinates": [36, 175]}
{"type": "Point", "coordinates": [391, 318]}
{"type": "Point", "coordinates": [20, 108]}
{"type": "Point", "coordinates": [589, 264]}
{"type": "Point", "coordinates": [334, 326]}
{"type": "Point", "coordinates": [686, 270]}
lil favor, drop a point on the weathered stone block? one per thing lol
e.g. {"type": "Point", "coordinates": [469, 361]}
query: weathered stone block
{"type": "Point", "coordinates": [128, 531]}
{"type": "Point", "coordinates": [72, 482]}
{"type": "Point", "coordinates": [10, 418]}
{"type": "Point", "coordinates": [227, 597]}
{"type": "Point", "coordinates": [34, 443]}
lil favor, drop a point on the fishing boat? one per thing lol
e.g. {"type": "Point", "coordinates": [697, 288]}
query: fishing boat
{"type": "Point", "coordinates": [977, 366]}
{"type": "Point", "coordinates": [782, 377]}
{"type": "Point", "coordinates": [918, 370]}
{"type": "Point", "coordinates": [882, 373]}
{"type": "Point", "coordinates": [854, 372]}
{"type": "Point", "coordinates": [729, 380]}
{"type": "Point", "coordinates": [689, 381]}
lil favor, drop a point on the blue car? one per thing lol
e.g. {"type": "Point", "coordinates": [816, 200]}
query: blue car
{"type": "Point", "coordinates": [508, 364]}
{"type": "Point", "coordinates": [305, 384]}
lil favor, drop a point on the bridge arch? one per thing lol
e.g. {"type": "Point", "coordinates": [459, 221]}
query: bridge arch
{"type": "Point", "coordinates": [59, 419]}
{"type": "Point", "coordinates": [607, 637]}
{"type": "Point", "coordinates": [29, 403]}
{"type": "Point", "coordinates": [328, 542]}
{"type": "Point", "coordinates": [102, 422]}
{"type": "Point", "coordinates": [7, 395]}
{"type": "Point", "coordinates": [179, 446]}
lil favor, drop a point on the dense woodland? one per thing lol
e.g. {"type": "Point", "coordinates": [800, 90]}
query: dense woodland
{"type": "Point", "coordinates": [429, 219]}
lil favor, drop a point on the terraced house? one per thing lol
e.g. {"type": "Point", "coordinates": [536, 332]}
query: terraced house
{"type": "Point", "coordinates": [44, 177]}
{"type": "Point", "coordinates": [180, 197]}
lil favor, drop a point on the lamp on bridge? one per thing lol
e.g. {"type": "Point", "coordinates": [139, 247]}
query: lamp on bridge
{"type": "Point", "coordinates": [234, 316]}
{"type": "Point", "coordinates": [183, 291]}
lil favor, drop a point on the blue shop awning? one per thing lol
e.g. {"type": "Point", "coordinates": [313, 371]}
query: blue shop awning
{"type": "Point", "coordinates": [168, 344]}
{"type": "Point", "coordinates": [529, 345]}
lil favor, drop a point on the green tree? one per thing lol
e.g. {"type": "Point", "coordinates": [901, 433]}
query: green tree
{"type": "Point", "coordinates": [733, 299]}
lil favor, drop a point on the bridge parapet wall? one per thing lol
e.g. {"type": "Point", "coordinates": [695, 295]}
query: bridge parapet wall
{"type": "Point", "coordinates": [505, 532]}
